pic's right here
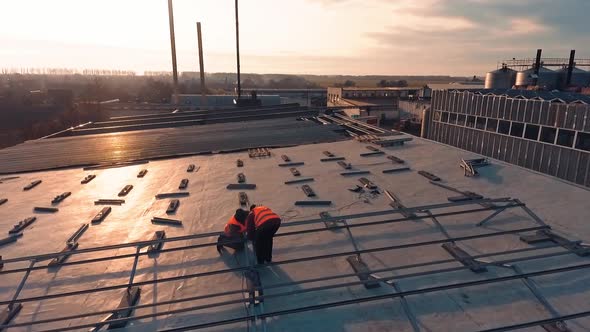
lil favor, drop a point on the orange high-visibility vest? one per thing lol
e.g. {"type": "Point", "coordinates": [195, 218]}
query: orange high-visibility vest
{"type": "Point", "coordinates": [263, 214]}
{"type": "Point", "coordinates": [233, 221]}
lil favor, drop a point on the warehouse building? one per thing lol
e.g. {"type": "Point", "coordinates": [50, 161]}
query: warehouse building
{"type": "Point", "coordinates": [370, 104]}
{"type": "Point", "coordinates": [548, 132]}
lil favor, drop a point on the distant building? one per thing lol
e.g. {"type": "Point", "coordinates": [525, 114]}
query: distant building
{"type": "Point", "coordinates": [456, 86]}
{"type": "Point", "coordinates": [413, 109]}
{"type": "Point", "coordinates": [222, 100]}
{"type": "Point", "coordinates": [373, 103]}
{"type": "Point", "coordinates": [303, 97]}
{"type": "Point", "coordinates": [548, 132]}
{"type": "Point", "coordinates": [190, 75]}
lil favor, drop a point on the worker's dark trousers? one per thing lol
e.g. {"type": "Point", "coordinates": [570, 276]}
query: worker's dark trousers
{"type": "Point", "coordinates": [263, 240]}
{"type": "Point", "coordinates": [236, 246]}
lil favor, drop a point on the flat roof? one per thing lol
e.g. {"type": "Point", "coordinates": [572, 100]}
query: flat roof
{"type": "Point", "coordinates": [356, 102]}
{"type": "Point", "coordinates": [378, 88]}
{"type": "Point", "coordinates": [454, 86]}
{"type": "Point", "coordinates": [434, 296]}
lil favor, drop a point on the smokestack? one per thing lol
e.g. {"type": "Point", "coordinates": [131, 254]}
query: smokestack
{"type": "Point", "coordinates": [570, 68]}
{"type": "Point", "coordinates": [238, 51]}
{"type": "Point", "coordinates": [201, 66]}
{"type": "Point", "coordinates": [537, 66]}
{"type": "Point", "coordinates": [538, 61]}
{"type": "Point", "coordinates": [173, 47]}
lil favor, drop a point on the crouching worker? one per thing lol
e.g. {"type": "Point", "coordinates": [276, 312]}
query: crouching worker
{"type": "Point", "coordinates": [262, 224]}
{"type": "Point", "coordinates": [234, 231]}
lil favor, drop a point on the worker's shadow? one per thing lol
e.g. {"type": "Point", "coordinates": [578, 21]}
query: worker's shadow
{"type": "Point", "coordinates": [276, 279]}
{"type": "Point", "coordinates": [270, 275]}
{"type": "Point", "coordinates": [235, 259]}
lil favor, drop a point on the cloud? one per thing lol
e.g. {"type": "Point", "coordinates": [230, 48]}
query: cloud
{"type": "Point", "coordinates": [526, 26]}
{"type": "Point", "coordinates": [434, 23]}
{"type": "Point", "coordinates": [476, 34]}
{"type": "Point", "coordinates": [463, 37]}
{"type": "Point", "coordinates": [564, 16]}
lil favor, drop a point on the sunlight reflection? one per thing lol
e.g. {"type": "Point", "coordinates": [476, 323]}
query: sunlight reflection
{"type": "Point", "coordinates": [118, 146]}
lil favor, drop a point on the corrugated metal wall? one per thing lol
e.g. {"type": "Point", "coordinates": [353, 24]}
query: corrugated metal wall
{"type": "Point", "coordinates": [569, 163]}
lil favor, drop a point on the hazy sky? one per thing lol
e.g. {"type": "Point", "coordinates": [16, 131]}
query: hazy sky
{"type": "Point", "coordinates": [464, 37]}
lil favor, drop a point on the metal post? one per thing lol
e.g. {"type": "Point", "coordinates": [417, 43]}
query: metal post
{"type": "Point", "coordinates": [405, 306]}
{"type": "Point", "coordinates": [22, 284]}
{"type": "Point", "coordinates": [531, 213]}
{"type": "Point", "coordinates": [354, 244]}
{"type": "Point", "coordinates": [447, 187]}
{"type": "Point", "coordinates": [250, 263]}
{"type": "Point", "coordinates": [14, 308]}
{"type": "Point", "coordinates": [533, 288]}
{"type": "Point", "coordinates": [238, 52]}
{"type": "Point", "coordinates": [119, 313]}
{"type": "Point", "coordinates": [201, 67]}
{"type": "Point", "coordinates": [438, 225]}
{"type": "Point", "coordinates": [134, 268]}
{"type": "Point", "coordinates": [497, 212]}
{"type": "Point", "coordinates": [173, 47]}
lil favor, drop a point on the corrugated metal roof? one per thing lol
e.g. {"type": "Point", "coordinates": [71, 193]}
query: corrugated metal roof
{"type": "Point", "coordinates": [156, 143]}
{"type": "Point", "coordinates": [557, 96]}
{"type": "Point", "coordinates": [190, 118]}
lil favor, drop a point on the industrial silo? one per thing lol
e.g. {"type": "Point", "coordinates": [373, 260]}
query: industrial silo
{"type": "Point", "coordinates": [503, 78]}
{"type": "Point", "coordinates": [546, 78]}
{"type": "Point", "coordinates": [580, 78]}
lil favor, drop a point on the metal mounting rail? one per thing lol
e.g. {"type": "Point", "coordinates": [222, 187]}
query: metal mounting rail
{"type": "Point", "coordinates": [348, 124]}
{"type": "Point", "coordinates": [336, 108]}
{"type": "Point", "coordinates": [423, 211]}
{"type": "Point", "coordinates": [288, 261]}
{"type": "Point", "coordinates": [305, 281]}
{"type": "Point", "coordinates": [196, 246]}
{"type": "Point", "coordinates": [287, 284]}
{"type": "Point", "coordinates": [538, 322]}
{"type": "Point", "coordinates": [406, 209]}
{"type": "Point", "coordinates": [291, 224]}
{"type": "Point", "coordinates": [360, 123]}
{"type": "Point", "coordinates": [410, 217]}
{"type": "Point", "coordinates": [333, 304]}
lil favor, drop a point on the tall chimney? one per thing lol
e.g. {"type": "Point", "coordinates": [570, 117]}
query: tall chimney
{"type": "Point", "coordinates": [238, 51]}
{"type": "Point", "coordinates": [570, 68]}
{"type": "Point", "coordinates": [537, 66]}
{"type": "Point", "coordinates": [173, 47]}
{"type": "Point", "coordinates": [202, 67]}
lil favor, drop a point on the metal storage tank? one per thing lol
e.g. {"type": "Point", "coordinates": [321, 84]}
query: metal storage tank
{"type": "Point", "coordinates": [547, 78]}
{"type": "Point", "coordinates": [503, 78]}
{"type": "Point", "coordinates": [580, 77]}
